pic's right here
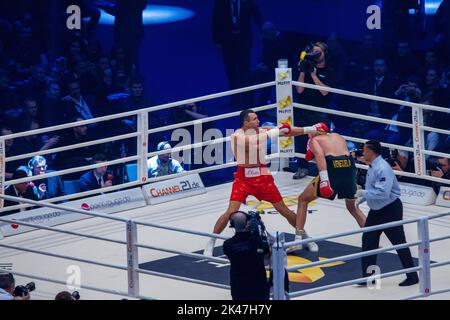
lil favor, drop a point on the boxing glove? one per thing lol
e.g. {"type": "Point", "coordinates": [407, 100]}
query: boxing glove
{"type": "Point", "coordinates": [325, 189]}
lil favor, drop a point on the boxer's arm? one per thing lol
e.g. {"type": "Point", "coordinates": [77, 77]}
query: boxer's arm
{"type": "Point", "coordinates": [319, 154]}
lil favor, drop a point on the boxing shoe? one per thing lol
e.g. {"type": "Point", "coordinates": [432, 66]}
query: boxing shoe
{"type": "Point", "coordinates": [302, 235]}
{"type": "Point", "coordinates": [325, 189]}
{"type": "Point", "coordinates": [209, 247]}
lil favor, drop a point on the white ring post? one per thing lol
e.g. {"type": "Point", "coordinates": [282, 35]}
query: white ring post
{"type": "Point", "coordinates": [2, 168]}
{"type": "Point", "coordinates": [142, 146]}
{"type": "Point", "coordinates": [285, 113]}
{"type": "Point", "coordinates": [424, 257]}
{"type": "Point", "coordinates": [278, 263]}
{"type": "Point", "coordinates": [418, 141]}
{"type": "Point", "coordinates": [132, 259]}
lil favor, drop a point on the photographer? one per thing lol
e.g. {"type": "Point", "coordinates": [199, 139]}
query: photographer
{"type": "Point", "coordinates": [396, 134]}
{"type": "Point", "coordinates": [313, 70]}
{"type": "Point", "coordinates": [246, 251]}
{"type": "Point", "coordinates": [441, 170]}
{"type": "Point", "coordinates": [7, 286]}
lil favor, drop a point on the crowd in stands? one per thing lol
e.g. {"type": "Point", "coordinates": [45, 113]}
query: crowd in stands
{"type": "Point", "coordinates": [43, 84]}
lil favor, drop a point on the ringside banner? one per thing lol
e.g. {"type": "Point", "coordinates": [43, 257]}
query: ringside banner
{"type": "Point", "coordinates": [105, 203]}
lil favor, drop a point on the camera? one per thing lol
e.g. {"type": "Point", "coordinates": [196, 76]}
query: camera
{"type": "Point", "coordinates": [392, 159]}
{"type": "Point", "coordinates": [308, 58]}
{"type": "Point", "coordinates": [21, 291]}
{"type": "Point", "coordinates": [257, 230]}
{"type": "Point", "coordinates": [357, 153]}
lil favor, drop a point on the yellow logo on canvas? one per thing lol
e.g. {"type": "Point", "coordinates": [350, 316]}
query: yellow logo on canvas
{"type": "Point", "coordinates": [308, 275]}
{"type": "Point", "coordinates": [285, 142]}
{"type": "Point", "coordinates": [285, 102]}
{"type": "Point", "coordinates": [264, 205]}
{"type": "Point", "coordinates": [283, 75]}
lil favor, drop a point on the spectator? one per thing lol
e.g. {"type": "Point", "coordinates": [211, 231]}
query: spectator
{"type": "Point", "coordinates": [232, 35]}
{"type": "Point", "coordinates": [75, 157]}
{"type": "Point", "coordinates": [98, 177]}
{"type": "Point", "coordinates": [163, 164]}
{"type": "Point", "coordinates": [128, 26]}
{"type": "Point", "coordinates": [433, 90]}
{"type": "Point", "coordinates": [7, 286]}
{"type": "Point", "coordinates": [64, 295]}
{"type": "Point", "coordinates": [380, 84]}
{"type": "Point", "coordinates": [29, 112]}
{"type": "Point", "coordinates": [442, 171]}
{"type": "Point", "coordinates": [21, 190]}
{"type": "Point", "coordinates": [75, 104]}
{"type": "Point", "coordinates": [34, 142]}
{"type": "Point", "coordinates": [50, 114]}
{"type": "Point", "coordinates": [403, 61]}
{"type": "Point", "coordinates": [46, 188]}
{"type": "Point", "coordinates": [396, 134]}
{"type": "Point", "coordinates": [10, 150]}
{"type": "Point", "coordinates": [321, 75]}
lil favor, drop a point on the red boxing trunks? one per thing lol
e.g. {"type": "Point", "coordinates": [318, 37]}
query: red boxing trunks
{"type": "Point", "coordinates": [254, 181]}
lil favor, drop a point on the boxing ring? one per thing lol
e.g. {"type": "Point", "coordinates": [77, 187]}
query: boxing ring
{"type": "Point", "coordinates": [152, 232]}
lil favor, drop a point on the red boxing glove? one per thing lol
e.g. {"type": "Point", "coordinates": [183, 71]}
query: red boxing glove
{"type": "Point", "coordinates": [321, 127]}
{"type": "Point", "coordinates": [309, 154]}
{"type": "Point", "coordinates": [325, 189]}
{"type": "Point", "coordinates": [285, 128]}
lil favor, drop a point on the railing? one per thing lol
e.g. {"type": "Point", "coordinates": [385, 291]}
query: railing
{"type": "Point", "coordinates": [141, 135]}
{"type": "Point", "coordinates": [132, 249]}
{"type": "Point", "coordinates": [424, 267]}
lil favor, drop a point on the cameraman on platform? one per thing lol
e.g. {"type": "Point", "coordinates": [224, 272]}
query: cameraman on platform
{"type": "Point", "coordinates": [7, 286]}
{"type": "Point", "coordinates": [313, 70]}
{"type": "Point", "coordinates": [246, 251]}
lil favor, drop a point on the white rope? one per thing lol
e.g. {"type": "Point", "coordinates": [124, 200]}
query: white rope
{"type": "Point", "coordinates": [136, 112]}
{"type": "Point", "coordinates": [396, 172]}
{"type": "Point", "coordinates": [371, 97]}
{"type": "Point", "coordinates": [352, 115]}
{"type": "Point", "coordinates": [383, 144]}
{"type": "Point", "coordinates": [61, 256]}
{"type": "Point", "coordinates": [64, 283]}
{"type": "Point", "coordinates": [209, 119]}
{"type": "Point", "coordinates": [430, 129]}
{"type": "Point", "coordinates": [73, 146]}
{"type": "Point", "coordinates": [72, 233]}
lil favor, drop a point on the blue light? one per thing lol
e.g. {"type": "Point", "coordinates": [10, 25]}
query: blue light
{"type": "Point", "coordinates": [431, 7]}
{"type": "Point", "coordinates": [154, 14]}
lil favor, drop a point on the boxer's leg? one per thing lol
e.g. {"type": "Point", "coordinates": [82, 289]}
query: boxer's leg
{"type": "Point", "coordinates": [355, 212]}
{"type": "Point", "coordinates": [221, 223]}
{"type": "Point", "coordinates": [285, 212]}
{"type": "Point", "coordinates": [304, 198]}
{"type": "Point", "coordinates": [224, 218]}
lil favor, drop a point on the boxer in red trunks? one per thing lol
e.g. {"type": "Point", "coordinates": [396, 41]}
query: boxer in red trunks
{"type": "Point", "coordinates": [253, 177]}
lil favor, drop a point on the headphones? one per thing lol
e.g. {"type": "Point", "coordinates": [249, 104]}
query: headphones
{"type": "Point", "coordinates": [34, 160]}
{"type": "Point", "coordinates": [162, 144]}
{"type": "Point", "coordinates": [247, 218]}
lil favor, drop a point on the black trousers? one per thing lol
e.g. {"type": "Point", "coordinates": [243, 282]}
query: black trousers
{"type": "Point", "coordinates": [396, 235]}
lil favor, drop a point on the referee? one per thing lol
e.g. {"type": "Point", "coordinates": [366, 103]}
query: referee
{"type": "Point", "coordinates": [382, 194]}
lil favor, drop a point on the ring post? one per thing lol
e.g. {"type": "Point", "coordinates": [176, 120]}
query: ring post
{"type": "Point", "coordinates": [132, 259]}
{"type": "Point", "coordinates": [142, 146]}
{"type": "Point", "coordinates": [279, 263]}
{"type": "Point", "coordinates": [418, 141]}
{"type": "Point", "coordinates": [424, 257]}
{"type": "Point", "coordinates": [2, 168]}
{"type": "Point", "coordinates": [285, 111]}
